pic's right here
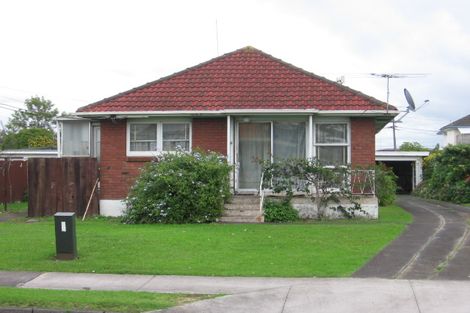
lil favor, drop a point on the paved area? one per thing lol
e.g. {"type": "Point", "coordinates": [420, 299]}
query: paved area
{"type": "Point", "coordinates": [275, 294]}
{"type": "Point", "coordinates": [435, 246]}
{"type": "Point", "coordinates": [6, 216]}
{"type": "Point", "coordinates": [344, 295]}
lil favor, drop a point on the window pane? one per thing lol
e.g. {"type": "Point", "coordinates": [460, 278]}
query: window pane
{"type": "Point", "coordinates": [175, 137]}
{"type": "Point", "coordinates": [289, 140]}
{"type": "Point", "coordinates": [75, 138]}
{"type": "Point", "coordinates": [143, 146]}
{"type": "Point", "coordinates": [332, 155]}
{"type": "Point", "coordinates": [143, 132]}
{"type": "Point", "coordinates": [175, 131]}
{"type": "Point", "coordinates": [331, 133]}
{"type": "Point", "coordinates": [143, 137]}
{"type": "Point", "coordinates": [175, 145]}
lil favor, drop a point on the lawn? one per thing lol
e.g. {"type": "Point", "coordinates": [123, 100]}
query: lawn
{"type": "Point", "coordinates": [323, 249]}
{"type": "Point", "coordinates": [109, 301]}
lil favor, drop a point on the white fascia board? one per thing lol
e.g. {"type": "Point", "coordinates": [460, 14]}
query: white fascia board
{"type": "Point", "coordinates": [72, 117]}
{"type": "Point", "coordinates": [464, 130]}
{"type": "Point", "coordinates": [142, 114]}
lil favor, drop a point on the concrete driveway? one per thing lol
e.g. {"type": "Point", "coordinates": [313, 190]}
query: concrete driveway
{"type": "Point", "coordinates": [435, 246]}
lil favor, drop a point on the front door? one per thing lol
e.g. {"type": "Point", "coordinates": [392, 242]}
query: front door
{"type": "Point", "coordinates": [254, 145]}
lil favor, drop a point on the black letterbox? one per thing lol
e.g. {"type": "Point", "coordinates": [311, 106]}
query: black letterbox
{"type": "Point", "coordinates": [65, 236]}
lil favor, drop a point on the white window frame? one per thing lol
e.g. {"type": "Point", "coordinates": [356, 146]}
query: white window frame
{"type": "Point", "coordinates": [347, 144]}
{"type": "Point", "coordinates": [159, 145]}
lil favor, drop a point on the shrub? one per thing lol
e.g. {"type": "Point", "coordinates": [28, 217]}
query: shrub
{"type": "Point", "coordinates": [179, 188]}
{"type": "Point", "coordinates": [447, 175]}
{"type": "Point", "coordinates": [279, 212]}
{"type": "Point", "coordinates": [385, 184]}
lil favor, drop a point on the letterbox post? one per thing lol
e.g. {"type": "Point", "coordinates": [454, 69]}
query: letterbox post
{"type": "Point", "coordinates": [65, 236]}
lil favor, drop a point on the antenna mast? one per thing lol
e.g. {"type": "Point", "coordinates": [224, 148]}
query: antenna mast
{"type": "Point", "coordinates": [388, 76]}
{"type": "Point", "coordinates": [217, 36]}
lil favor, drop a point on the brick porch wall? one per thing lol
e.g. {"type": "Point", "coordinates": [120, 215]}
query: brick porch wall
{"type": "Point", "coordinates": [362, 141]}
{"type": "Point", "coordinates": [210, 134]}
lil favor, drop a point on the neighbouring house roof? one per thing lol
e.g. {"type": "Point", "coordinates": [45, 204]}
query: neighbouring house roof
{"type": "Point", "coordinates": [28, 153]}
{"type": "Point", "coordinates": [397, 155]}
{"type": "Point", "coordinates": [460, 123]}
{"type": "Point", "coordinates": [247, 79]}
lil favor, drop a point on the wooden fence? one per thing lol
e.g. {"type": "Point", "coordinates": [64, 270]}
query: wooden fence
{"type": "Point", "coordinates": [62, 185]}
{"type": "Point", "coordinates": [13, 180]}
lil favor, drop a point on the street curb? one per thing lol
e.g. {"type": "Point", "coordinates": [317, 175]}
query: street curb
{"type": "Point", "coordinates": [38, 310]}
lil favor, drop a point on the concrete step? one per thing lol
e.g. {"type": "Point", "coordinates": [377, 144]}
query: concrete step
{"type": "Point", "coordinates": [241, 219]}
{"type": "Point", "coordinates": [252, 213]}
{"type": "Point", "coordinates": [245, 199]}
{"type": "Point", "coordinates": [244, 207]}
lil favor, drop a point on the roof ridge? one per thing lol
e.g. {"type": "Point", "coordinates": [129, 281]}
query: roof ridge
{"type": "Point", "coordinates": [456, 122]}
{"type": "Point", "coordinates": [246, 49]}
{"type": "Point", "coordinates": [313, 75]}
{"type": "Point", "coordinates": [165, 77]}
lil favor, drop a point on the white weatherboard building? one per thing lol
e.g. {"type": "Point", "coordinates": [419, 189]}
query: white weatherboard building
{"type": "Point", "coordinates": [457, 132]}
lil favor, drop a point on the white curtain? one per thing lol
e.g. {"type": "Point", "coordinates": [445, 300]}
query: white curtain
{"type": "Point", "coordinates": [289, 140]}
{"type": "Point", "coordinates": [254, 145]}
{"type": "Point", "coordinates": [75, 138]}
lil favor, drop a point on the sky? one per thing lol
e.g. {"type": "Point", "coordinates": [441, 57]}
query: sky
{"type": "Point", "coordinates": [78, 52]}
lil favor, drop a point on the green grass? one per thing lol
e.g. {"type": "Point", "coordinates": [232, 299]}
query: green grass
{"type": "Point", "coordinates": [16, 207]}
{"type": "Point", "coordinates": [114, 301]}
{"type": "Point", "coordinates": [331, 248]}
{"type": "Point", "coordinates": [466, 204]}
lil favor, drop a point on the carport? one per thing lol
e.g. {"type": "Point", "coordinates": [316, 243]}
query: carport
{"type": "Point", "coordinates": [407, 165]}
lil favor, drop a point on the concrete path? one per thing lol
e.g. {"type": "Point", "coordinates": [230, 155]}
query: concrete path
{"type": "Point", "coordinates": [344, 295]}
{"type": "Point", "coordinates": [435, 246]}
{"type": "Point", "coordinates": [273, 294]}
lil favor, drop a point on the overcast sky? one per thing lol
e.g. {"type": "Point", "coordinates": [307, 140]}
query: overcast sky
{"type": "Point", "coordinates": [77, 52]}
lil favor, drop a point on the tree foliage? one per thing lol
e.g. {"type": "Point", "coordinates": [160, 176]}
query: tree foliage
{"type": "Point", "coordinates": [447, 175]}
{"type": "Point", "coordinates": [412, 146]}
{"type": "Point", "coordinates": [29, 138]}
{"type": "Point", "coordinates": [39, 113]}
{"type": "Point", "coordinates": [385, 184]}
{"type": "Point", "coordinates": [31, 127]}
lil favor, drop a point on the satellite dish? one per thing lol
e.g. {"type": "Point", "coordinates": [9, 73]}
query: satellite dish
{"type": "Point", "coordinates": [409, 99]}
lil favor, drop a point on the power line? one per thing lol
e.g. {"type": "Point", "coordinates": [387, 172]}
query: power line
{"type": "Point", "coordinates": [11, 106]}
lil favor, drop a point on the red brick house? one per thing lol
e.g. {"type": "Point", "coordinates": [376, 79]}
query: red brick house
{"type": "Point", "coordinates": [244, 104]}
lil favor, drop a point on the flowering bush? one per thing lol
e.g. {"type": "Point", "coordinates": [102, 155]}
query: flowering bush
{"type": "Point", "coordinates": [179, 188]}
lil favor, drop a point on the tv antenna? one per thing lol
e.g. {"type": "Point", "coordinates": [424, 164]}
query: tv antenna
{"type": "Point", "coordinates": [388, 76]}
{"type": "Point", "coordinates": [410, 108]}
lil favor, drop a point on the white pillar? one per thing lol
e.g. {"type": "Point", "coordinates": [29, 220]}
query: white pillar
{"type": "Point", "coordinates": [310, 137]}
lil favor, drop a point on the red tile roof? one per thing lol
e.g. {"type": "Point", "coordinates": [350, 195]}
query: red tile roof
{"type": "Point", "coordinates": [243, 79]}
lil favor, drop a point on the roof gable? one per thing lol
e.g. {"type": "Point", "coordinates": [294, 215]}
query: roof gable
{"type": "Point", "coordinates": [243, 79]}
{"type": "Point", "coordinates": [462, 122]}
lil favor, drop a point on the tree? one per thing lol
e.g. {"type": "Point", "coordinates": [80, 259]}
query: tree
{"type": "Point", "coordinates": [31, 127]}
{"type": "Point", "coordinates": [29, 138]}
{"type": "Point", "coordinates": [39, 113]}
{"type": "Point", "coordinates": [412, 146]}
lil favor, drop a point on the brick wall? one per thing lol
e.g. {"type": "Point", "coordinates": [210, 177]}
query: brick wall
{"type": "Point", "coordinates": [362, 141]}
{"type": "Point", "coordinates": [210, 134]}
{"type": "Point", "coordinates": [118, 172]}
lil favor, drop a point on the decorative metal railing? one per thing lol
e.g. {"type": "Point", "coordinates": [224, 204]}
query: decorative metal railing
{"type": "Point", "coordinates": [359, 181]}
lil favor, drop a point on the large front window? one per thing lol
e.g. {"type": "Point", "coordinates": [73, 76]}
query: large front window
{"type": "Point", "coordinates": [331, 142]}
{"type": "Point", "coordinates": [288, 140]}
{"type": "Point", "coordinates": [146, 139]}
